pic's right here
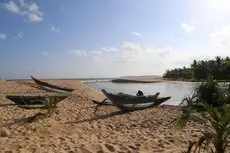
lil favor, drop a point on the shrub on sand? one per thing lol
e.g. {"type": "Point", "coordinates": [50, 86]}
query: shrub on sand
{"type": "Point", "coordinates": [50, 104]}
{"type": "Point", "coordinates": [209, 107]}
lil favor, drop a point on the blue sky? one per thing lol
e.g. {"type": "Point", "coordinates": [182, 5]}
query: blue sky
{"type": "Point", "coordinates": [109, 38]}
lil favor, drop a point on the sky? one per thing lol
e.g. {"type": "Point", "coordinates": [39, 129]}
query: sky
{"type": "Point", "coordinates": [109, 38]}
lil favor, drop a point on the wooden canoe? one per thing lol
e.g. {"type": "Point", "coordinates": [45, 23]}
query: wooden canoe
{"type": "Point", "coordinates": [51, 88]}
{"type": "Point", "coordinates": [134, 102]}
{"type": "Point", "coordinates": [32, 106]}
{"type": "Point", "coordinates": [104, 102]}
{"type": "Point", "coordinates": [129, 99]}
{"type": "Point", "coordinates": [34, 100]}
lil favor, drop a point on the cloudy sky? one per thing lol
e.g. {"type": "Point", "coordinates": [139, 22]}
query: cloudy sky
{"type": "Point", "coordinates": [109, 38]}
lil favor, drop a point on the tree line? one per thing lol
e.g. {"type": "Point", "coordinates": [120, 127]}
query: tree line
{"type": "Point", "coordinates": [219, 68]}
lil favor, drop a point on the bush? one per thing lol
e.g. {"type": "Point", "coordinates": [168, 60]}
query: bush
{"type": "Point", "coordinates": [209, 107]}
{"type": "Point", "coordinates": [210, 92]}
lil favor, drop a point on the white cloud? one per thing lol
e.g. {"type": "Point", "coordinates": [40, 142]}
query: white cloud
{"type": "Point", "coordinates": [96, 53]}
{"type": "Point", "coordinates": [213, 10]}
{"type": "Point", "coordinates": [33, 7]}
{"type": "Point", "coordinates": [12, 7]}
{"type": "Point", "coordinates": [30, 11]}
{"type": "Point", "coordinates": [220, 37]}
{"type": "Point", "coordinates": [55, 29]}
{"type": "Point", "coordinates": [2, 36]}
{"type": "Point", "coordinates": [96, 58]}
{"type": "Point", "coordinates": [20, 35]}
{"type": "Point", "coordinates": [131, 52]}
{"type": "Point", "coordinates": [136, 58]}
{"type": "Point", "coordinates": [160, 51]}
{"type": "Point", "coordinates": [159, 57]}
{"type": "Point", "coordinates": [219, 42]}
{"type": "Point", "coordinates": [109, 49]}
{"type": "Point", "coordinates": [34, 18]}
{"type": "Point", "coordinates": [145, 57]}
{"type": "Point", "coordinates": [137, 34]}
{"type": "Point", "coordinates": [45, 53]}
{"type": "Point", "coordinates": [83, 53]}
{"type": "Point", "coordinates": [188, 27]}
{"type": "Point", "coordinates": [128, 46]}
{"type": "Point", "coordinates": [79, 53]}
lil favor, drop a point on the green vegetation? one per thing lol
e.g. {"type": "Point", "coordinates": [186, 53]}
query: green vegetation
{"type": "Point", "coordinates": [208, 106]}
{"type": "Point", "coordinates": [219, 68]}
{"type": "Point", "coordinates": [50, 104]}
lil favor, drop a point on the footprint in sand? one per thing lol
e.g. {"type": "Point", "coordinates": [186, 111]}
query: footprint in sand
{"type": "Point", "coordinates": [110, 147]}
{"type": "Point", "coordinates": [8, 151]}
{"type": "Point", "coordinates": [84, 150]}
{"type": "Point", "coordinates": [133, 147]}
{"type": "Point", "coordinates": [100, 151]}
{"type": "Point", "coordinates": [171, 141]}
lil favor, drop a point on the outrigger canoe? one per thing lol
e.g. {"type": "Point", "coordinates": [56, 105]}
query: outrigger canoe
{"type": "Point", "coordinates": [51, 88]}
{"type": "Point", "coordinates": [130, 103]}
{"type": "Point", "coordinates": [122, 98]}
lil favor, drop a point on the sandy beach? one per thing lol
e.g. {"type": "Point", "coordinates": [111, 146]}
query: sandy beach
{"type": "Point", "coordinates": [74, 127]}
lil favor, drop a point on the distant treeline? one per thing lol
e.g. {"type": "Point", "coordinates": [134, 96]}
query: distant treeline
{"type": "Point", "coordinates": [219, 68]}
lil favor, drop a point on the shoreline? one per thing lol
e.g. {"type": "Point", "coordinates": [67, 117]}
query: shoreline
{"type": "Point", "coordinates": [119, 80]}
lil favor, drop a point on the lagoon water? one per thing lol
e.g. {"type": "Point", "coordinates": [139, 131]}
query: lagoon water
{"type": "Point", "coordinates": [177, 91]}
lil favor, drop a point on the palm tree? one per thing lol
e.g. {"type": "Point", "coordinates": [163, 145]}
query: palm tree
{"type": "Point", "coordinates": [218, 61]}
{"type": "Point", "coordinates": [216, 120]}
{"type": "Point", "coordinates": [194, 64]}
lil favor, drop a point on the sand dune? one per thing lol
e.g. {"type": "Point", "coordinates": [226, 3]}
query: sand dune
{"type": "Point", "coordinates": [75, 127]}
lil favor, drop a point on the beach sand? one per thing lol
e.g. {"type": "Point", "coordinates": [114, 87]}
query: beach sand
{"type": "Point", "coordinates": [75, 127]}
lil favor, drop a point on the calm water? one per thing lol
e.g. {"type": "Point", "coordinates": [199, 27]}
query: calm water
{"type": "Point", "coordinates": [177, 91]}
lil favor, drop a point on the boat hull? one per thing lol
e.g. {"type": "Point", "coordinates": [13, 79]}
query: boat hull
{"type": "Point", "coordinates": [33, 100]}
{"type": "Point", "coordinates": [136, 105]}
{"type": "Point", "coordinates": [51, 88]}
{"type": "Point", "coordinates": [129, 99]}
